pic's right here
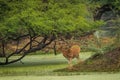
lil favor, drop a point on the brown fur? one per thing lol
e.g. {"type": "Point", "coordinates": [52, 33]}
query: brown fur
{"type": "Point", "coordinates": [70, 53]}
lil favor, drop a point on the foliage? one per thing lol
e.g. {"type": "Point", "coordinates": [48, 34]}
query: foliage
{"type": "Point", "coordinates": [30, 19]}
{"type": "Point", "coordinates": [17, 17]}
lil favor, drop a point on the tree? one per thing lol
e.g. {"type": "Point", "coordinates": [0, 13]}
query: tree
{"type": "Point", "coordinates": [48, 19]}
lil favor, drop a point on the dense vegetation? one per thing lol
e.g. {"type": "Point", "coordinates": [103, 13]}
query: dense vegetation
{"type": "Point", "coordinates": [49, 20]}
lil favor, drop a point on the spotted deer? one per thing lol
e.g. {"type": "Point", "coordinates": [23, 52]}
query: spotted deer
{"type": "Point", "coordinates": [70, 52]}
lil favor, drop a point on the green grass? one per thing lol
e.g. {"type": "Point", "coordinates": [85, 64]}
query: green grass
{"type": "Point", "coordinates": [39, 65]}
{"type": "Point", "coordinates": [75, 77]}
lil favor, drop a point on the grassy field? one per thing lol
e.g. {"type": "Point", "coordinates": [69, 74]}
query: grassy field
{"type": "Point", "coordinates": [42, 67]}
{"type": "Point", "coordinates": [38, 65]}
{"type": "Point", "coordinates": [76, 77]}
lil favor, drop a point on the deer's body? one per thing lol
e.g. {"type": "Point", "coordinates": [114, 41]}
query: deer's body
{"type": "Point", "coordinates": [71, 53]}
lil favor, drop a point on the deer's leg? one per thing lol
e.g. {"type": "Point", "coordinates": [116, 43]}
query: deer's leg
{"type": "Point", "coordinates": [70, 63]}
{"type": "Point", "coordinates": [78, 59]}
